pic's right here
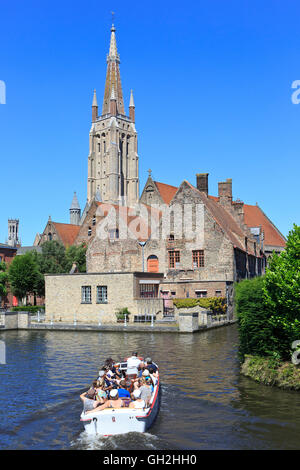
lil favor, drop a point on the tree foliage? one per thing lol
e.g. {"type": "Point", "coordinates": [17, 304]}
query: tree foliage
{"type": "Point", "coordinates": [26, 272]}
{"type": "Point", "coordinates": [255, 333]}
{"type": "Point", "coordinates": [268, 308]}
{"type": "Point", "coordinates": [282, 292]}
{"type": "Point", "coordinates": [3, 279]}
{"type": "Point", "coordinates": [23, 275]}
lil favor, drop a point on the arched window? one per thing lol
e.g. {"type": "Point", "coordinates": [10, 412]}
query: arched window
{"type": "Point", "coordinates": [50, 236]}
{"type": "Point", "coordinates": [89, 231]}
{"type": "Point", "coordinates": [152, 264]}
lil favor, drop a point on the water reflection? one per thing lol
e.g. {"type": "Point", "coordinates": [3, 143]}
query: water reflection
{"type": "Point", "coordinates": [205, 403]}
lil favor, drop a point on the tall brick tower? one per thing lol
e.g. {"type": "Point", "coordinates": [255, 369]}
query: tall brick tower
{"type": "Point", "coordinates": [113, 160]}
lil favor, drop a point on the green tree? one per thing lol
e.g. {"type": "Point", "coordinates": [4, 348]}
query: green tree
{"type": "Point", "coordinates": [282, 293]}
{"type": "Point", "coordinates": [3, 279]}
{"type": "Point", "coordinates": [23, 275]}
{"type": "Point", "coordinates": [52, 260]}
{"type": "Point", "coordinates": [76, 254]}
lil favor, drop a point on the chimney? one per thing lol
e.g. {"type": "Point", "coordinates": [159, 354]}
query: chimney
{"type": "Point", "coordinates": [225, 192]}
{"type": "Point", "coordinates": [202, 182]}
{"type": "Point", "coordinates": [238, 207]}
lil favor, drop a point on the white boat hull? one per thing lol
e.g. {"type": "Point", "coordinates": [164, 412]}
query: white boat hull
{"type": "Point", "coordinates": [119, 421]}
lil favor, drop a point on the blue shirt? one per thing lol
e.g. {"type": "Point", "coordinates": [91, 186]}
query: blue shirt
{"type": "Point", "coordinates": [123, 393]}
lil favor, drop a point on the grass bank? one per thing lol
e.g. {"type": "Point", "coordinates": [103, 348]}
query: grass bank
{"type": "Point", "coordinates": [270, 371]}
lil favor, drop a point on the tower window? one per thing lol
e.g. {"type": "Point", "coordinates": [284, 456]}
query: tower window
{"type": "Point", "coordinates": [94, 220]}
{"type": "Point", "coordinates": [89, 231]}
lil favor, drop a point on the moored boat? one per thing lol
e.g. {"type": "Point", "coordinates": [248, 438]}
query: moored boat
{"type": "Point", "coordinates": [111, 421]}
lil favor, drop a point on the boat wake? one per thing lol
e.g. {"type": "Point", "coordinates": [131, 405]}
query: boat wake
{"type": "Point", "coordinates": [127, 441]}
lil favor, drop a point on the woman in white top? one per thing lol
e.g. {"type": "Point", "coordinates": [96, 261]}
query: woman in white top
{"type": "Point", "coordinates": [138, 403]}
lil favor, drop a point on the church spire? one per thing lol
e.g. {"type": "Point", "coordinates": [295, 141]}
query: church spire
{"type": "Point", "coordinates": [113, 78]}
{"type": "Point", "coordinates": [131, 107]}
{"type": "Point", "coordinates": [94, 107]}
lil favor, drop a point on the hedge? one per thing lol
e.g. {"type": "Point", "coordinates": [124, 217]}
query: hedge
{"type": "Point", "coordinates": [28, 308]}
{"type": "Point", "coordinates": [215, 304]}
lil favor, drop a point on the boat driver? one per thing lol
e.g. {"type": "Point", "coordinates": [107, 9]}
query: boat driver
{"type": "Point", "coordinates": [133, 363]}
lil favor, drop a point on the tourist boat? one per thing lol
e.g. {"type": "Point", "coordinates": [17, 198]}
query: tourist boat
{"type": "Point", "coordinates": [122, 420]}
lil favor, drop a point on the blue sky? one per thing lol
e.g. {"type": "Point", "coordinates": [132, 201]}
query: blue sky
{"type": "Point", "coordinates": [212, 89]}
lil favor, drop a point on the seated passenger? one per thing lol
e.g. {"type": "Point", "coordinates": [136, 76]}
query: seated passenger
{"type": "Point", "coordinates": [123, 392]}
{"type": "Point", "coordinates": [150, 382]}
{"type": "Point", "coordinates": [146, 391]}
{"type": "Point", "coordinates": [113, 402]}
{"type": "Point", "coordinates": [138, 402]}
{"type": "Point", "coordinates": [89, 401]}
{"type": "Point", "coordinates": [153, 376]}
{"type": "Point", "coordinates": [101, 395]}
{"type": "Point", "coordinates": [149, 363]}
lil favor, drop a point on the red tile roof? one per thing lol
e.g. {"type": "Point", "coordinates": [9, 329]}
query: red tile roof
{"type": "Point", "coordinates": [67, 232]}
{"type": "Point", "coordinates": [254, 217]}
{"type": "Point", "coordinates": [166, 191]}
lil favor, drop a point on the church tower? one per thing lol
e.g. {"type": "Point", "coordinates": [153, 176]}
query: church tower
{"type": "Point", "coordinates": [13, 232]}
{"type": "Point", "coordinates": [113, 160]}
{"type": "Point", "coordinates": [75, 211]}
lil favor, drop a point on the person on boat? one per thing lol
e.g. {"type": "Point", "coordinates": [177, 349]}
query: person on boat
{"type": "Point", "coordinates": [89, 399]}
{"type": "Point", "coordinates": [133, 363]}
{"type": "Point", "coordinates": [137, 403]}
{"type": "Point", "coordinates": [109, 382]}
{"type": "Point", "coordinates": [101, 394]}
{"type": "Point", "coordinates": [123, 392]}
{"type": "Point", "coordinates": [153, 376]}
{"type": "Point", "coordinates": [149, 363]}
{"type": "Point", "coordinates": [114, 402]}
{"type": "Point", "coordinates": [112, 370]}
{"type": "Point", "coordinates": [144, 387]}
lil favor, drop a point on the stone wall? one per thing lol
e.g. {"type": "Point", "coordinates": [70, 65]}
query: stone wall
{"type": "Point", "coordinates": [64, 301]}
{"type": "Point", "coordinates": [14, 320]}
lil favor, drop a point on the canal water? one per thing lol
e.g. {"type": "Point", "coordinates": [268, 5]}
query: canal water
{"type": "Point", "coordinates": [205, 403]}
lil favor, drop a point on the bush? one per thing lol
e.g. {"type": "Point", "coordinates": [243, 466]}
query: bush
{"type": "Point", "coordinates": [255, 331]}
{"type": "Point", "coordinates": [28, 308]}
{"type": "Point", "coordinates": [120, 314]}
{"type": "Point", "coordinates": [215, 304]}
